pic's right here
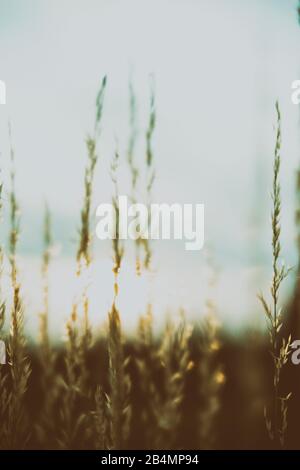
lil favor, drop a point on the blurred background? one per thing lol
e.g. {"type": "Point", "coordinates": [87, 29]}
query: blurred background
{"type": "Point", "coordinates": [218, 68]}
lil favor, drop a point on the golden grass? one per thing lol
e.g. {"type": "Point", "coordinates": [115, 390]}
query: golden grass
{"type": "Point", "coordinates": [276, 421]}
{"type": "Point", "coordinates": [156, 391]}
{"type": "Point", "coordinates": [16, 427]}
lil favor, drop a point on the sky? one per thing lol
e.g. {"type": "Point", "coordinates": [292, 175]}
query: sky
{"type": "Point", "coordinates": [219, 67]}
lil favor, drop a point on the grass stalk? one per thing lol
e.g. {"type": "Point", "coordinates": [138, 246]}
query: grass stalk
{"type": "Point", "coordinates": [17, 424]}
{"type": "Point", "coordinates": [150, 172]}
{"type": "Point", "coordinates": [276, 420]}
{"type": "Point", "coordinates": [118, 400]}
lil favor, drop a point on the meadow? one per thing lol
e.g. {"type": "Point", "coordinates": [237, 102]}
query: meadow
{"type": "Point", "coordinates": [191, 385]}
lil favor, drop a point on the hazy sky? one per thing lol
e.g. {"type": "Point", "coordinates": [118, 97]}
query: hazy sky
{"type": "Point", "coordinates": [219, 66]}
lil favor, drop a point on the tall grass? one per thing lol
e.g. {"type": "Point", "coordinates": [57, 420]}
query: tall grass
{"type": "Point", "coordinates": [175, 359]}
{"type": "Point", "coordinates": [132, 164]}
{"type": "Point", "coordinates": [79, 334]}
{"type": "Point", "coordinates": [211, 380]}
{"type": "Point", "coordinates": [155, 389]}
{"type": "Point", "coordinates": [84, 248]}
{"type": "Point", "coordinates": [276, 419]}
{"type": "Point", "coordinates": [16, 426]}
{"type": "Point", "coordinates": [4, 394]}
{"type": "Point", "coordinates": [46, 425]}
{"type": "Point", "coordinates": [118, 401]}
{"type": "Point", "coordinates": [150, 171]}
{"type": "Point", "coordinates": [46, 352]}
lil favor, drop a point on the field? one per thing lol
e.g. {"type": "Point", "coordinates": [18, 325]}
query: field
{"type": "Point", "coordinates": [191, 384]}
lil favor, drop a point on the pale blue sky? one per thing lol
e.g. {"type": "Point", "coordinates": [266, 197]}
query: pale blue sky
{"type": "Point", "coordinates": [219, 66]}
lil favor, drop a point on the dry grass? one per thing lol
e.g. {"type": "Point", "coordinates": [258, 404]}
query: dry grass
{"type": "Point", "coordinates": [276, 420]}
{"type": "Point", "coordinates": [16, 428]}
{"type": "Point", "coordinates": [118, 398]}
{"type": "Point", "coordinates": [79, 334]}
{"type": "Point", "coordinates": [164, 390]}
{"type": "Point", "coordinates": [4, 394]}
{"type": "Point", "coordinates": [150, 172]}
